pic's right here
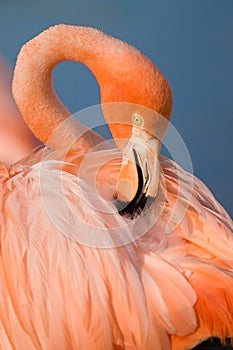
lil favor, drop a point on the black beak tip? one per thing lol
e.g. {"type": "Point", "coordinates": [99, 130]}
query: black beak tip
{"type": "Point", "coordinates": [133, 209]}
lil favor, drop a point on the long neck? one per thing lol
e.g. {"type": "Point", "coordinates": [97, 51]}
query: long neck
{"type": "Point", "coordinates": [117, 67]}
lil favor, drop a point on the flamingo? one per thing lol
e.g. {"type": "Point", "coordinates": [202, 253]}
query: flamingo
{"type": "Point", "coordinates": [16, 141]}
{"type": "Point", "coordinates": [87, 260]}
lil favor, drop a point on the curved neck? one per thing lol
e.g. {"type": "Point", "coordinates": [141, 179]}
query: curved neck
{"type": "Point", "coordinates": [33, 90]}
{"type": "Point", "coordinates": [123, 73]}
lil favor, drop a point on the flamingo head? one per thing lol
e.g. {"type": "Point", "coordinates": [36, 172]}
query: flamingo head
{"type": "Point", "coordinates": [138, 132]}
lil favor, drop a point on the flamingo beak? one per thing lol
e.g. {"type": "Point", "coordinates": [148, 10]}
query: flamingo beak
{"type": "Point", "coordinates": [140, 172]}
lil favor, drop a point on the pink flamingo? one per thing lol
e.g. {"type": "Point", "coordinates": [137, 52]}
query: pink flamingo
{"type": "Point", "coordinates": [16, 141]}
{"type": "Point", "coordinates": [59, 289]}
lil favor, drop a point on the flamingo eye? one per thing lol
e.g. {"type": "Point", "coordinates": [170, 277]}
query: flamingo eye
{"type": "Point", "coordinates": [137, 120]}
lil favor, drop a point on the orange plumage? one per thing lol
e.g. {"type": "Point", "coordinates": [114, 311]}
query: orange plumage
{"type": "Point", "coordinates": [74, 273]}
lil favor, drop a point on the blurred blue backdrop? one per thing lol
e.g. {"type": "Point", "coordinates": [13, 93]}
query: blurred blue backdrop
{"type": "Point", "coordinates": [190, 41]}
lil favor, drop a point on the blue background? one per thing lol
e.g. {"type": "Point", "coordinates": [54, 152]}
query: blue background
{"type": "Point", "coordinates": [190, 41]}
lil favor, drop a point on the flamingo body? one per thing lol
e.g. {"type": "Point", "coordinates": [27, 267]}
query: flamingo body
{"type": "Point", "coordinates": [60, 290]}
{"type": "Point", "coordinates": [77, 275]}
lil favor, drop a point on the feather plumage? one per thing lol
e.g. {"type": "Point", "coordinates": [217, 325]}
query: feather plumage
{"type": "Point", "coordinates": [61, 290]}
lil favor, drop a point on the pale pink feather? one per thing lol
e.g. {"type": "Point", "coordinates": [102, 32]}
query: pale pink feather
{"type": "Point", "coordinates": [158, 291]}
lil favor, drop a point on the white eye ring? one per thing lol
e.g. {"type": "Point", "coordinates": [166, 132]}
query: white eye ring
{"type": "Point", "coordinates": [137, 120]}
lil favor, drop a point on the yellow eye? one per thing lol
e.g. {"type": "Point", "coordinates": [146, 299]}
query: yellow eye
{"type": "Point", "coordinates": [137, 120]}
